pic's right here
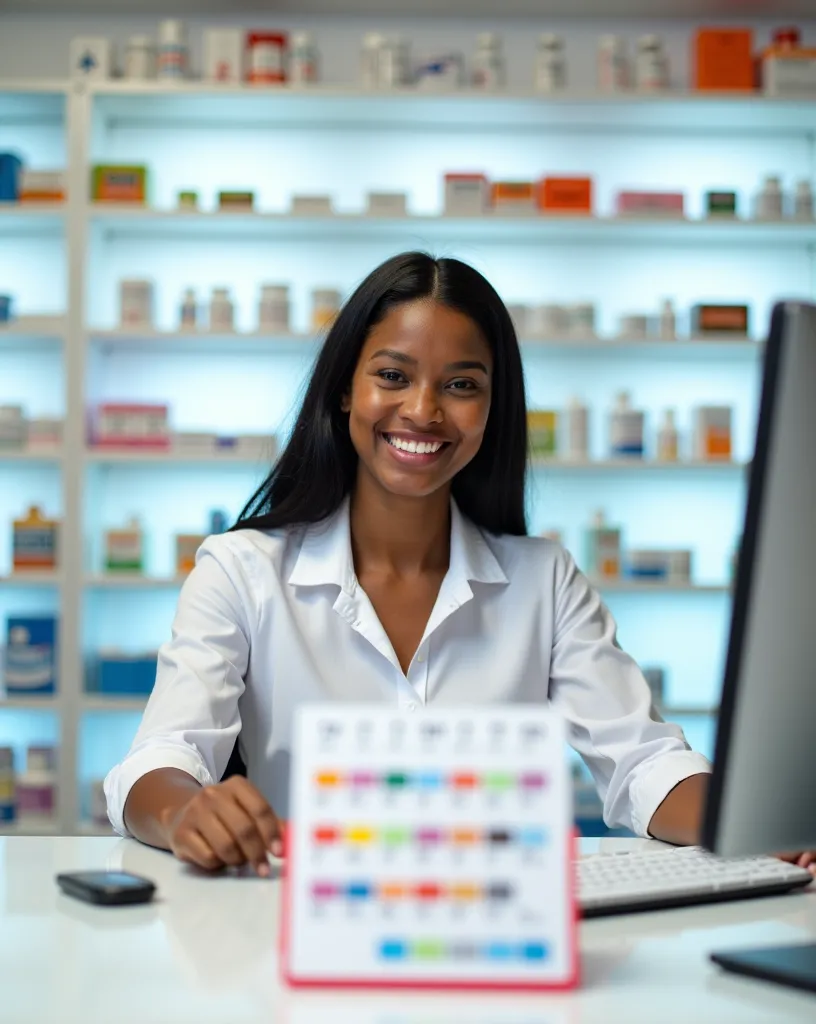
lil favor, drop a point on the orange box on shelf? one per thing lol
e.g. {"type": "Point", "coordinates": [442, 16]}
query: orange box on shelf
{"type": "Point", "coordinates": [565, 195]}
{"type": "Point", "coordinates": [722, 58]}
{"type": "Point", "coordinates": [513, 195]}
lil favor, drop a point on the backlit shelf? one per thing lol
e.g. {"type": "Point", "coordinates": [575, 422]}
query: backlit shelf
{"type": "Point", "coordinates": [688, 712]}
{"type": "Point", "coordinates": [138, 221]}
{"type": "Point", "coordinates": [556, 465]}
{"type": "Point", "coordinates": [713, 349]}
{"type": "Point", "coordinates": [45, 702]}
{"type": "Point", "coordinates": [198, 103]}
{"type": "Point", "coordinates": [132, 581]}
{"type": "Point", "coordinates": [112, 702]}
{"type": "Point", "coordinates": [34, 336]}
{"type": "Point", "coordinates": [110, 457]}
{"type": "Point", "coordinates": [197, 342]}
{"type": "Point", "coordinates": [657, 587]}
{"type": "Point", "coordinates": [22, 580]}
{"type": "Point", "coordinates": [41, 454]}
{"type": "Point", "coordinates": [32, 218]}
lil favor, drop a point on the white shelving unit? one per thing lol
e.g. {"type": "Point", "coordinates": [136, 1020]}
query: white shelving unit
{"type": "Point", "coordinates": [108, 122]}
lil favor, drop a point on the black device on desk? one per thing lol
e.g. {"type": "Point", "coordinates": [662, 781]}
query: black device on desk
{"type": "Point", "coordinates": [761, 798]}
{"type": "Point", "coordinates": [106, 888]}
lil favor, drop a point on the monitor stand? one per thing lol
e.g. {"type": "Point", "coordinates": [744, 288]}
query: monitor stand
{"type": "Point", "coordinates": [786, 965]}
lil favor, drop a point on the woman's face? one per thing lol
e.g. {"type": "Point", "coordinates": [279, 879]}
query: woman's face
{"type": "Point", "coordinates": [420, 397]}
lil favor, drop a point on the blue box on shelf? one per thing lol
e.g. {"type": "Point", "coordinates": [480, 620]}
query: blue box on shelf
{"type": "Point", "coordinates": [10, 166]}
{"type": "Point", "coordinates": [31, 655]}
{"type": "Point", "coordinates": [126, 674]}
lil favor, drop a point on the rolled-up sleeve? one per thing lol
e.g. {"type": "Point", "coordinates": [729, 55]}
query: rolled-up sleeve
{"type": "Point", "coordinates": [635, 758]}
{"type": "Point", "coordinates": [192, 719]}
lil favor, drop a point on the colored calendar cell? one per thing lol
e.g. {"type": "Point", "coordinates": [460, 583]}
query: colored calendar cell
{"type": "Point", "coordinates": [324, 836]}
{"type": "Point", "coordinates": [533, 780]}
{"type": "Point", "coordinates": [391, 949]}
{"type": "Point", "coordinates": [428, 949]}
{"type": "Point", "coordinates": [394, 891]}
{"type": "Point", "coordinates": [430, 836]}
{"type": "Point", "coordinates": [499, 781]}
{"type": "Point", "coordinates": [430, 780]}
{"type": "Point", "coordinates": [396, 780]}
{"type": "Point", "coordinates": [464, 780]}
{"type": "Point", "coordinates": [396, 835]}
{"type": "Point", "coordinates": [429, 891]}
{"type": "Point", "coordinates": [359, 891]}
{"type": "Point", "coordinates": [464, 892]}
{"type": "Point", "coordinates": [465, 836]}
{"type": "Point", "coordinates": [360, 836]}
{"type": "Point", "coordinates": [364, 780]}
{"type": "Point", "coordinates": [328, 780]}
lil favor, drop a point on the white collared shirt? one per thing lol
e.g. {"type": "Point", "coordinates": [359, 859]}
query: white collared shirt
{"type": "Point", "coordinates": [268, 620]}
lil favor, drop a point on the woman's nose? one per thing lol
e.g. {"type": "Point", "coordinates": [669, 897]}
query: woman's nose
{"type": "Point", "coordinates": [421, 405]}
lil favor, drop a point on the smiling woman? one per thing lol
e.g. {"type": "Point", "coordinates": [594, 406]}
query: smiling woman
{"type": "Point", "coordinates": [385, 559]}
{"type": "Point", "coordinates": [423, 353]}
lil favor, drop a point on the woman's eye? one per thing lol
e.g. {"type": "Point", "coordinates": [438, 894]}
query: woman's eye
{"type": "Point", "coordinates": [462, 385]}
{"type": "Point", "coordinates": [392, 376]}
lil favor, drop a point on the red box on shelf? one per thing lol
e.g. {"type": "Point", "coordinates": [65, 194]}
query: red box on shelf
{"type": "Point", "coordinates": [650, 204]}
{"type": "Point", "coordinates": [130, 425]}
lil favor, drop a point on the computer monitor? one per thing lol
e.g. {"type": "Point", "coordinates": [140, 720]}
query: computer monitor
{"type": "Point", "coordinates": [761, 797]}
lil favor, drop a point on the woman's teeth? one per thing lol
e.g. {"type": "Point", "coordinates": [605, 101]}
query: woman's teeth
{"type": "Point", "coordinates": [417, 447]}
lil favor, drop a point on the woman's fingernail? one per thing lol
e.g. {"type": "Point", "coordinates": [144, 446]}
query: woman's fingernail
{"type": "Point", "coordinates": [263, 869]}
{"type": "Point", "coordinates": [277, 848]}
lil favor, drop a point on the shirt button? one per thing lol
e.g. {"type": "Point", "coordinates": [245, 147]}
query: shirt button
{"type": "Point", "coordinates": [411, 705]}
{"type": "Point", "coordinates": [420, 658]}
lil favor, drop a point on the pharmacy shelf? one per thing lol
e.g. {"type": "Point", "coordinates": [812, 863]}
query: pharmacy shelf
{"type": "Point", "coordinates": [713, 348]}
{"type": "Point", "coordinates": [32, 218]}
{"type": "Point", "coordinates": [556, 465]}
{"type": "Point", "coordinates": [32, 101]}
{"type": "Point", "coordinates": [688, 712]}
{"type": "Point", "coordinates": [108, 457]}
{"type": "Point", "coordinates": [199, 342]}
{"type": "Point", "coordinates": [708, 349]}
{"type": "Point", "coordinates": [37, 828]}
{"type": "Point", "coordinates": [105, 702]}
{"type": "Point", "coordinates": [133, 221]}
{"type": "Point", "coordinates": [41, 454]}
{"type": "Point", "coordinates": [36, 336]}
{"type": "Point", "coordinates": [657, 587]}
{"type": "Point", "coordinates": [196, 103]}
{"type": "Point", "coordinates": [131, 581]}
{"type": "Point", "coordinates": [24, 580]}
{"type": "Point", "coordinates": [45, 702]}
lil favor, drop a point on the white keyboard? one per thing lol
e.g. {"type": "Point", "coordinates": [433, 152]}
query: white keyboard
{"type": "Point", "coordinates": [657, 879]}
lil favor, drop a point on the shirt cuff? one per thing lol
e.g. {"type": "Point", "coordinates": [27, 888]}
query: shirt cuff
{"type": "Point", "coordinates": [657, 779]}
{"type": "Point", "coordinates": [122, 778]}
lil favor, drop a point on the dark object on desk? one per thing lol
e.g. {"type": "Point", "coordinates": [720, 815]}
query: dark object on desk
{"type": "Point", "coordinates": [786, 965]}
{"type": "Point", "coordinates": [106, 888]}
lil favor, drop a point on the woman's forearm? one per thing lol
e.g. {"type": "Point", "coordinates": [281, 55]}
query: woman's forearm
{"type": "Point", "coordinates": [679, 818]}
{"type": "Point", "coordinates": [154, 801]}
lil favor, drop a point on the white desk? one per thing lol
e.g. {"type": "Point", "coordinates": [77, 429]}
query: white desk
{"type": "Point", "coordinates": [206, 951]}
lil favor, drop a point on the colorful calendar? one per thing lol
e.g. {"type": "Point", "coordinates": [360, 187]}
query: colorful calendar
{"type": "Point", "coordinates": [430, 850]}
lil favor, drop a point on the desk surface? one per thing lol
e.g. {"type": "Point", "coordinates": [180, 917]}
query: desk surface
{"type": "Point", "coordinates": [205, 951]}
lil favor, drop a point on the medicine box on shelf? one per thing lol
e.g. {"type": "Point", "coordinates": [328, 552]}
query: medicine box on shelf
{"type": "Point", "coordinates": [126, 674]}
{"type": "Point", "coordinates": [115, 183]}
{"type": "Point", "coordinates": [30, 664]}
{"type": "Point", "coordinates": [35, 542]}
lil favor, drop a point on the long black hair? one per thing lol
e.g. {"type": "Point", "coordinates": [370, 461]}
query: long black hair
{"type": "Point", "coordinates": [318, 466]}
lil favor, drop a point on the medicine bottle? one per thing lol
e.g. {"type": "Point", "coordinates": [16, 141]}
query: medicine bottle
{"type": "Point", "coordinates": [325, 307]}
{"type": "Point", "coordinates": [8, 806]}
{"type": "Point", "coordinates": [37, 786]}
{"type": "Point", "coordinates": [667, 329]}
{"type": "Point", "coordinates": [188, 313]}
{"type": "Point", "coordinates": [613, 64]}
{"type": "Point", "coordinates": [273, 309]}
{"type": "Point", "coordinates": [550, 73]}
{"type": "Point", "coordinates": [172, 59]}
{"type": "Point", "coordinates": [303, 58]}
{"type": "Point", "coordinates": [576, 441]}
{"type": "Point", "coordinates": [488, 62]}
{"type": "Point", "coordinates": [394, 66]}
{"type": "Point", "coordinates": [651, 64]}
{"type": "Point", "coordinates": [803, 200]}
{"type": "Point", "coordinates": [370, 60]}
{"type": "Point", "coordinates": [222, 311]}
{"type": "Point", "coordinates": [769, 199]}
{"type": "Point", "coordinates": [668, 441]}
{"type": "Point", "coordinates": [140, 58]}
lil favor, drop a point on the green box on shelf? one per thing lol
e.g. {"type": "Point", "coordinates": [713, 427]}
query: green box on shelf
{"type": "Point", "coordinates": [119, 183]}
{"type": "Point", "coordinates": [721, 204]}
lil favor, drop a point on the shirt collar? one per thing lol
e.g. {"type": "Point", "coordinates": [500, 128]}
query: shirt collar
{"type": "Point", "coordinates": [325, 556]}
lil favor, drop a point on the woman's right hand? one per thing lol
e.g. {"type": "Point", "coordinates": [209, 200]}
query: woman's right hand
{"type": "Point", "coordinates": [228, 824]}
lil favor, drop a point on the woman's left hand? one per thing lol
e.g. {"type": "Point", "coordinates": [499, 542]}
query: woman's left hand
{"type": "Point", "coordinates": [806, 859]}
